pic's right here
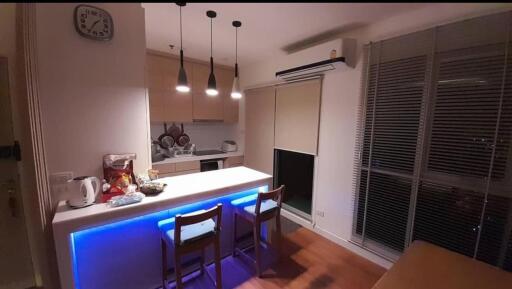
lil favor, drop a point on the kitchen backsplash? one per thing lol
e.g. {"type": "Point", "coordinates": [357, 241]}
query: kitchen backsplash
{"type": "Point", "coordinates": [205, 135]}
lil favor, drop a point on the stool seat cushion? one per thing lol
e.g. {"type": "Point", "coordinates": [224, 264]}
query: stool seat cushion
{"type": "Point", "coordinates": [266, 206]}
{"type": "Point", "coordinates": [189, 233]}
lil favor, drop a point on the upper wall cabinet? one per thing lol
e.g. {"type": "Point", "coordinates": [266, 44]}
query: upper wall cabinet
{"type": "Point", "coordinates": [225, 84]}
{"type": "Point", "coordinates": [206, 107]}
{"type": "Point", "coordinates": [166, 104]}
{"type": "Point", "coordinates": [298, 116]}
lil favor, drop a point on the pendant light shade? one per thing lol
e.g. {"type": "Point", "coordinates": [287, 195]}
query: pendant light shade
{"type": "Point", "coordinates": [236, 93]}
{"type": "Point", "coordinates": [182, 85]}
{"type": "Point", "coordinates": [211, 90]}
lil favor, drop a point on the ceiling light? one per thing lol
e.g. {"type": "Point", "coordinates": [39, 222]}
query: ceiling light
{"type": "Point", "coordinates": [236, 93]}
{"type": "Point", "coordinates": [182, 85]}
{"type": "Point", "coordinates": [212, 83]}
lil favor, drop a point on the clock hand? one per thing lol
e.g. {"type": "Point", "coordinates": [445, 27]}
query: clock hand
{"type": "Point", "coordinates": [94, 24]}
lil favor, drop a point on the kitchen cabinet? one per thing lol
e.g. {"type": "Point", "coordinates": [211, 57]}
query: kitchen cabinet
{"type": "Point", "coordinates": [206, 107]}
{"type": "Point", "coordinates": [298, 116]}
{"type": "Point", "coordinates": [165, 103]}
{"type": "Point", "coordinates": [259, 129]}
{"type": "Point", "coordinates": [164, 168]}
{"type": "Point", "coordinates": [177, 169]}
{"type": "Point", "coordinates": [225, 82]}
{"type": "Point", "coordinates": [188, 166]}
{"type": "Point", "coordinates": [232, 162]}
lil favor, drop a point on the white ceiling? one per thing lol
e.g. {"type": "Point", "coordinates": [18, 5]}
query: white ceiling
{"type": "Point", "coordinates": [266, 29]}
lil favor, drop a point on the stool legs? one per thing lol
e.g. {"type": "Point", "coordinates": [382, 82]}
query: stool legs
{"type": "Point", "coordinates": [257, 236]}
{"type": "Point", "coordinates": [279, 236]}
{"type": "Point", "coordinates": [202, 261]}
{"type": "Point", "coordinates": [177, 269]}
{"type": "Point", "coordinates": [218, 270]}
{"type": "Point", "coordinates": [235, 217]}
{"type": "Point", "coordinates": [164, 265]}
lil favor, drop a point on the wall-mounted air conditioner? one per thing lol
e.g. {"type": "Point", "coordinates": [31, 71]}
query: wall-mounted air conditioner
{"type": "Point", "coordinates": [318, 59]}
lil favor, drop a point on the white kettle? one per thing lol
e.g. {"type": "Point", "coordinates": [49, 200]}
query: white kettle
{"type": "Point", "coordinates": [81, 191]}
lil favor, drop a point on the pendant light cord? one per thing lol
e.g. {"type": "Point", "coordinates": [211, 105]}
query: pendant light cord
{"type": "Point", "coordinates": [211, 37]}
{"type": "Point", "coordinates": [181, 32]}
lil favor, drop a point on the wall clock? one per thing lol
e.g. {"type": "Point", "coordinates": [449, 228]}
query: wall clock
{"type": "Point", "coordinates": [93, 23]}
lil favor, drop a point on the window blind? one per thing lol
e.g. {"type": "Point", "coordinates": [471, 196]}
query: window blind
{"type": "Point", "coordinates": [434, 158]}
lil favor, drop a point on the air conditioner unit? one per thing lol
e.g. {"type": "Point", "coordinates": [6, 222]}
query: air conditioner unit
{"type": "Point", "coordinates": [318, 59]}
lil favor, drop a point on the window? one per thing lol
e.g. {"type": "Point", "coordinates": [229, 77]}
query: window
{"type": "Point", "coordinates": [434, 160]}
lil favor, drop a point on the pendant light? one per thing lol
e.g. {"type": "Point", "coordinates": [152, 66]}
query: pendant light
{"type": "Point", "coordinates": [236, 93]}
{"type": "Point", "coordinates": [182, 85]}
{"type": "Point", "coordinates": [211, 90]}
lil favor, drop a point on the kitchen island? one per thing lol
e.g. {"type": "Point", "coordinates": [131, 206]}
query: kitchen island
{"type": "Point", "coordinates": [102, 247]}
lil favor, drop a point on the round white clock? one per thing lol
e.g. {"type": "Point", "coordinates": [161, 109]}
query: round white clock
{"type": "Point", "coordinates": [93, 22]}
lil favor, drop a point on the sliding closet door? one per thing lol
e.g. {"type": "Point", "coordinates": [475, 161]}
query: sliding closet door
{"type": "Point", "coordinates": [298, 116]}
{"type": "Point", "coordinates": [259, 129]}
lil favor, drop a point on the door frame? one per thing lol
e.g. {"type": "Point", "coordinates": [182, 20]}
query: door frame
{"type": "Point", "coordinates": [34, 184]}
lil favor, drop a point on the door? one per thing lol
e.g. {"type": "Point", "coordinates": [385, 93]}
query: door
{"type": "Point", "coordinates": [259, 129]}
{"type": "Point", "coordinates": [15, 261]}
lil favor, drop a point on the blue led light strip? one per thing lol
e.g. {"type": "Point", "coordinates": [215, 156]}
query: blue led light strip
{"type": "Point", "coordinates": [96, 251]}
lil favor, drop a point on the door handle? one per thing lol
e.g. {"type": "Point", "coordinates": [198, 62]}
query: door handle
{"type": "Point", "coordinates": [13, 203]}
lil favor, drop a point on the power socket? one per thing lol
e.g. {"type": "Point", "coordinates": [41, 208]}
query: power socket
{"type": "Point", "coordinates": [320, 213]}
{"type": "Point", "coordinates": [58, 182]}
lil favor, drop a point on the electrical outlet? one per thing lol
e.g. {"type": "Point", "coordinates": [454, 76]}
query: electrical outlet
{"type": "Point", "coordinates": [61, 178]}
{"type": "Point", "coordinates": [320, 213]}
{"type": "Point", "coordinates": [58, 182]}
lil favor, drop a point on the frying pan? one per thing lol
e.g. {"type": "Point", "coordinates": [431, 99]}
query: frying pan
{"type": "Point", "coordinates": [165, 139]}
{"type": "Point", "coordinates": [175, 131]}
{"type": "Point", "coordinates": [183, 139]}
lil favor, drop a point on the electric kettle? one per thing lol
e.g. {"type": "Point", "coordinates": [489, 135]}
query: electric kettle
{"type": "Point", "coordinates": [81, 191]}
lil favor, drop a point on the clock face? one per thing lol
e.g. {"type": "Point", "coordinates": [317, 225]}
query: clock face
{"type": "Point", "coordinates": [93, 22]}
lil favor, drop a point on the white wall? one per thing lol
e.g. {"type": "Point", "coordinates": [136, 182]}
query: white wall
{"type": "Point", "coordinates": [340, 99]}
{"type": "Point", "coordinates": [92, 93]}
{"type": "Point", "coordinates": [205, 135]}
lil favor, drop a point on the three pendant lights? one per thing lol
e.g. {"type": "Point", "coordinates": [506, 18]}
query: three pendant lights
{"type": "Point", "coordinates": [211, 89]}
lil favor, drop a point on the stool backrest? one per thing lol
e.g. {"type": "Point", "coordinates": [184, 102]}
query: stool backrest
{"type": "Point", "coordinates": [276, 195]}
{"type": "Point", "coordinates": [215, 212]}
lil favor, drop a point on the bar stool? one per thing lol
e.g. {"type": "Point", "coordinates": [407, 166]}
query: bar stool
{"type": "Point", "coordinates": [189, 233]}
{"type": "Point", "coordinates": [267, 206]}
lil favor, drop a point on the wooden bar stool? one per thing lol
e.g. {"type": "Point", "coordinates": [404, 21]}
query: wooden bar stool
{"type": "Point", "coordinates": [267, 206]}
{"type": "Point", "coordinates": [189, 233]}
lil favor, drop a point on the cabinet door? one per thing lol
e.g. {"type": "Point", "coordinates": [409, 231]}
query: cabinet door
{"type": "Point", "coordinates": [178, 105]}
{"type": "Point", "coordinates": [165, 103]}
{"type": "Point", "coordinates": [155, 87]}
{"type": "Point", "coordinates": [259, 129]}
{"type": "Point", "coordinates": [232, 162]}
{"type": "Point", "coordinates": [205, 107]}
{"type": "Point", "coordinates": [225, 82]}
{"type": "Point", "coordinates": [298, 116]}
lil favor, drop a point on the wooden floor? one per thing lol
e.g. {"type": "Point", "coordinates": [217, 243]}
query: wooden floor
{"type": "Point", "coordinates": [308, 261]}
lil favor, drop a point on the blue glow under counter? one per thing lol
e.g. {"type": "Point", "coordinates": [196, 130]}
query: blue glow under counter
{"type": "Point", "coordinates": [122, 249]}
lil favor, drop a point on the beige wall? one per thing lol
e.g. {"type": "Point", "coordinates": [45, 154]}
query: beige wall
{"type": "Point", "coordinates": [92, 93]}
{"type": "Point", "coordinates": [340, 99]}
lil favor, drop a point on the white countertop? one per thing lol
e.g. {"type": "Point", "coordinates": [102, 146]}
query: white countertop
{"type": "Point", "coordinates": [199, 158]}
{"type": "Point", "coordinates": [180, 190]}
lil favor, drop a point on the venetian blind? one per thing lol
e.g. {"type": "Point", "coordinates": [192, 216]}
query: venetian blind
{"type": "Point", "coordinates": [434, 141]}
